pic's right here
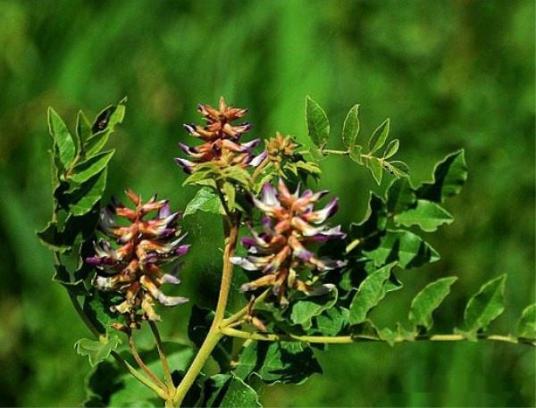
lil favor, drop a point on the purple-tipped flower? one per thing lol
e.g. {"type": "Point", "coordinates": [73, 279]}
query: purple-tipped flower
{"type": "Point", "coordinates": [289, 227]}
{"type": "Point", "coordinates": [221, 139]}
{"type": "Point", "coordinates": [131, 266]}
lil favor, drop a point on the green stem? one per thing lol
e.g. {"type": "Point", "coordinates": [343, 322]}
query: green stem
{"type": "Point", "coordinates": [163, 357]}
{"type": "Point", "coordinates": [142, 365]}
{"type": "Point", "coordinates": [141, 378]}
{"type": "Point", "coordinates": [242, 312]}
{"type": "Point", "coordinates": [229, 331]}
{"type": "Point", "coordinates": [214, 334]}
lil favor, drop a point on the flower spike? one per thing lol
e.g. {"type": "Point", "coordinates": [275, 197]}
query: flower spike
{"type": "Point", "coordinates": [131, 267]}
{"type": "Point", "coordinates": [283, 247]}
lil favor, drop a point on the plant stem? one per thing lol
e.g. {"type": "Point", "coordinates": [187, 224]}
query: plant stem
{"type": "Point", "coordinates": [140, 377]}
{"type": "Point", "coordinates": [214, 334]}
{"type": "Point", "coordinates": [339, 152]}
{"type": "Point", "coordinates": [163, 357]}
{"type": "Point", "coordinates": [228, 331]}
{"type": "Point", "coordinates": [142, 365]}
{"type": "Point", "coordinates": [242, 312]}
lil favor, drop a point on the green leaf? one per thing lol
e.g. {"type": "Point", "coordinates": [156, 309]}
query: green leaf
{"type": "Point", "coordinates": [83, 129]}
{"type": "Point", "coordinates": [205, 200]}
{"type": "Point", "coordinates": [375, 220]}
{"type": "Point", "coordinates": [375, 166]}
{"type": "Point", "coordinates": [355, 154]}
{"type": "Point", "coordinates": [403, 246]}
{"type": "Point", "coordinates": [379, 136]}
{"type": "Point", "coordinates": [63, 140]}
{"type": "Point", "coordinates": [485, 306]}
{"type": "Point", "coordinates": [370, 292]}
{"type": "Point", "coordinates": [87, 169]}
{"type": "Point", "coordinates": [53, 238]}
{"type": "Point", "coordinates": [449, 177]}
{"type": "Point", "coordinates": [304, 310]}
{"type": "Point", "coordinates": [400, 196]}
{"type": "Point", "coordinates": [427, 300]}
{"type": "Point", "coordinates": [397, 168]}
{"type": "Point", "coordinates": [526, 326]}
{"type": "Point", "coordinates": [427, 215]}
{"type": "Point", "coordinates": [317, 122]}
{"type": "Point", "coordinates": [83, 197]}
{"type": "Point", "coordinates": [239, 394]}
{"type": "Point", "coordinates": [97, 350]}
{"type": "Point", "coordinates": [282, 362]}
{"type": "Point", "coordinates": [103, 127]}
{"type": "Point", "coordinates": [332, 321]}
{"type": "Point", "coordinates": [391, 148]}
{"type": "Point", "coordinates": [350, 129]}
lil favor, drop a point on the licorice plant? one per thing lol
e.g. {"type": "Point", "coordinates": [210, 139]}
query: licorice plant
{"type": "Point", "coordinates": [304, 281]}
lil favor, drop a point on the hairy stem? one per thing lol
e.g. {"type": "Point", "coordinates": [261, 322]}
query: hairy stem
{"type": "Point", "coordinates": [214, 334]}
{"type": "Point", "coordinates": [163, 357]}
{"type": "Point", "coordinates": [229, 331]}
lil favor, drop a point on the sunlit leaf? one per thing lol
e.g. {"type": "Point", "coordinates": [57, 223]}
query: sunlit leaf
{"type": "Point", "coordinates": [103, 127]}
{"type": "Point", "coordinates": [526, 326]}
{"type": "Point", "coordinates": [350, 129]}
{"type": "Point", "coordinates": [369, 294]}
{"type": "Point", "coordinates": [485, 306]}
{"type": "Point", "coordinates": [374, 164]}
{"type": "Point", "coordinates": [317, 122]}
{"type": "Point", "coordinates": [355, 154]}
{"type": "Point", "coordinates": [304, 310]}
{"type": "Point", "coordinates": [63, 140]}
{"type": "Point", "coordinates": [205, 200]}
{"type": "Point", "coordinates": [379, 136]}
{"type": "Point", "coordinates": [87, 169]}
{"type": "Point", "coordinates": [427, 300]}
{"type": "Point", "coordinates": [391, 148]}
{"type": "Point", "coordinates": [83, 197]}
{"type": "Point", "coordinates": [400, 196]}
{"type": "Point", "coordinates": [97, 350]}
{"type": "Point", "coordinates": [426, 214]}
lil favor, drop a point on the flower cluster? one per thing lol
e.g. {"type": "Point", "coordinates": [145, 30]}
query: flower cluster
{"type": "Point", "coordinates": [221, 140]}
{"type": "Point", "coordinates": [131, 265]}
{"type": "Point", "coordinates": [280, 147]}
{"type": "Point", "coordinates": [280, 251]}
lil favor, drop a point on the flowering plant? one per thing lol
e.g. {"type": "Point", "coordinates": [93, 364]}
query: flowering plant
{"type": "Point", "coordinates": [304, 280]}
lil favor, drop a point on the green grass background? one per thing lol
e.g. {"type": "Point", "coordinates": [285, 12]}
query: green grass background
{"type": "Point", "coordinates": [449, 74]}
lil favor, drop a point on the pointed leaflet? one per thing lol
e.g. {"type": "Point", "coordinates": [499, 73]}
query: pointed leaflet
{"type": "Point", "coordinates": [332, 321]}
{"type": "Point", "coordinates": [371, 291]}
{"type": "Point", "coordinates": [375, 166]}
{"type": "Point", "coordinates": [379, 136]}
{"type": "Point", "coordinates": [317, 122]}
{"type": "Point", "coordinates": [205, 200]}
{"type": "Point", "coordinates": [427, 300]}
{"type": "Point", "coordinates": [103, 127]}
{"type": "Point", "coordinates": [391, 149]}
{"type": "Point", "coordinates": [239, 394]}
{"type": "Point", "coordinates": [82, 198]}
{"type": "Point", "coordinates": [485, 306]}
{"type": "Point", "coordinates": [403, 246]}
{"type": "Point", "coordinates": [449, 177]}
{"type": "Point", "coordinates": [87, 169]}
{"type": "Point", "coordinates": [83, 129]}
{"type": "Point", "coordinates": [426, 214]}
{"type": "Point", "coordinates": [350, 128]}
{"type": "Point", "coordinates": [526, 326]}
{"type": "Point", "coordinates": [63, 140]}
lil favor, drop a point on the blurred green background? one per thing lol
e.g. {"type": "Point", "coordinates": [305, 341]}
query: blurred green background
{"type": "Point", "coordinates": [450, 74]}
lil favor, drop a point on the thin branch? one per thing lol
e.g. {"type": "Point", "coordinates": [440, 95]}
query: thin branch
{"type": "Point", "coordinates": [162, 355]}
{"type": "Point", "coordinates": [231, 320]}
{"type": "Point", "coordinates": [228, 331]}
{"type": "Point", "coordinates": [142, 365]}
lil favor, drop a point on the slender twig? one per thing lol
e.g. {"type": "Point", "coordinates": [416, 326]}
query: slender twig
{"type": "Point", "coordinates": [228, 331]}
{"type": "Point", "coordinates": [214, 334]}
{"type": "Point", "coordinates": [162, 355]}
{"type": "Point", "coordinates": [138, 376]}
{"type": "Point", "coordinates": [142, 365]}
{"type": "Point", "coordinates": [235, 318]}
